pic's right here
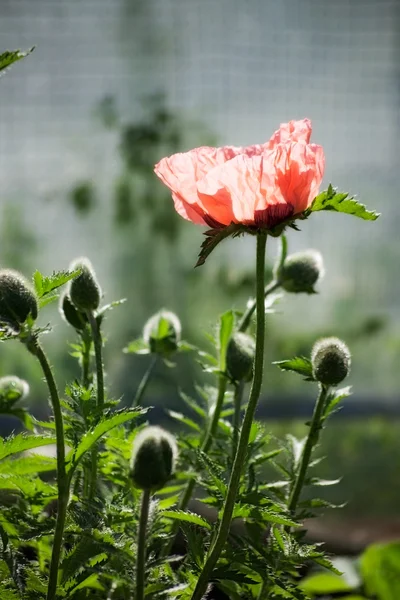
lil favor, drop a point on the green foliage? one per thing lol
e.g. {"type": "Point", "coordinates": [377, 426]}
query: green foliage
{"type": "Point", "coordinates": [342, 203]}
{"type": "Point", "coordinates": [380, 569]}
{"type": "Point", "coordinates": [46, 287]}
{"type": "Point", "coordinates": [299, 364]}
{"type": "Point", "coordinates": [10, 57]}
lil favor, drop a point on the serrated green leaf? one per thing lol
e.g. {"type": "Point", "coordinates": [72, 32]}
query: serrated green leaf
{"type": "Point", "coordinates": [28, 465]}
{"type": "Point", "coordinates": [93, 435]}
{"type": "Point", "coordinates": [138, 346]}
{"type": "Point", "coordinates": [187, 517]}
{"type": "Point", "coordinates": [322, 584]}
{"type": "Point", "coordinates": [380, 568]}
{"type": "Point", "coordinates": [298, 364]}
{"type": "Point", "coordinates": [334, 399]}
{"type": "Point", "coordinates": [22, 442]}
{"type": "Point", "coordinates": [10, 57]}
{"type": "Point", "coordinates": [225, 331]}
{"type": "Point", "coordinates": [183, 419]}
{"type": "Point", "coordinates": [340, 202]}
{"type": "Point", "coordinates": [215, 237]}
{"type": "Point", "coordinates": [46, 285]}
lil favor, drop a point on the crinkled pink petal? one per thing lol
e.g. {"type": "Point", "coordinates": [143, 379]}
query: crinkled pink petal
{"type": "Point", "coordinates": [236, 190]}
{"type": "Point", "coordinates": [299, 169]}
{"type": "Point", "coordinates": [294, 131]}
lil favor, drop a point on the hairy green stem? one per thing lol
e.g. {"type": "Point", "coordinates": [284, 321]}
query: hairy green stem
{"type": "Point", "coordinates": [234, 483]}
{"type": "Point", "coordinates": [246, 318]}
{"type": "Point", "coordinates": [144, 382]}
{"type": "Point", "coordinates": [62, 478]}
{"type": "Point", "coordinates": [86, 347]}
{"type": "Point", "coordinates": [98, 351]}
{"type": "Point", "coordinates": [237, 409]}
{"type": "Point", "coordinates": [312, 440]}
{"type": "Point", "coordinates": [141, 546]}
{"type": "Point", "coordinates": [205, 446]}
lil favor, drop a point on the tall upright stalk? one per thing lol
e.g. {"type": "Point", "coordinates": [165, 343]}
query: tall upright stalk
{"type": "Point", "coordinates": [312, 440]}
{"type": "Point", "coordinates": [237, 408]}
{"type": "Point", "coordinates": [144, 382]}
{"type": "Point", "coordinates": [141, 546]}
{"type": "Point", "coordinates": [62, 478]}
{"type": "Point", "coordinates": [234, 483]}
{"type": "Point", "coordinates": [98, 351]}
{"type": "Point", "coordinates": [205, 446]}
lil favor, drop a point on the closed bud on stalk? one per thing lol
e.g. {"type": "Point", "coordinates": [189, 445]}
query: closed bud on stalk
{"type": "Point", "coordinates": [300, 271]}
{"type": "Point", "coordinates": [162, 332]}
{"type": "Point", "coordinates": [153, 460]}
{"type": "Point", "coordinates": [240, 356]}
{"type": "Point", "coordinates": [84, 291]}
{"type": "Point", "coordinates": [331, 359]}
{"type": "Point", "coordinates": [71, 314]}
{"type": "Point", "coordinates": [12, 389]}
{"type": "Point", "coordinates": [17, 298]}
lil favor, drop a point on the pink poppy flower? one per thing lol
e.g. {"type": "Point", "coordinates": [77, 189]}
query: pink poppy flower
{"type": "Point", "coordinates": [256, 186]}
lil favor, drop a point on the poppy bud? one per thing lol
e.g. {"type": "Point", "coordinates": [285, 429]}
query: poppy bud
{"type": "Point", "coordinates": [240, 356]}
{"type": "Point", "coordinates": [12, 389]}
{"type": "Point", "coordinates": [17, 299]}
{"type": "Point", "coordinates": [162, 332]}
{"type": "Point", "coordinates": [300, 271]}
{"type": "Point", "coordinates": [84, 290]}
{"type": "Point", "coordinates": [330, 358]}
{"type": "Point", "coordinates": [154, 454]}
{"type": "Point", "coordinates": [72, 315]}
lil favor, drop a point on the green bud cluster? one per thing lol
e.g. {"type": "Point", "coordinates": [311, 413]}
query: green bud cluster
{"type": "Point", "coordinates": [12, 389]}
{"type": "Point", "coordinates": [240, 356]}
{"type": "Point", "coordinates": [331, 359]}
{"type": "Point", "coordinates": [154, 454]}
{"type": "Point", "coordinates": [300, 271]}
{"type": "Point", "coordinates": [84, 291]}
{"type": "Point", "coordinates": [162, 332]}
{"type": "Point", "coordinates": [17, 298]}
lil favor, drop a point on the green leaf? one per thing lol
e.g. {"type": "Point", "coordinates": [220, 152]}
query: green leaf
{"type": "Point", "coordinates": [185, 420]}
{"type": "Point", "coordinates": [187, 517]}
{"type": "Point", "coordinates": [324, 583]}
{"type": "Point", "coordinates": [28, 465]}
{"type": "Point", "coordinates": [22, 442]}
{"type": "Point", "coordinates": [340, 202]}
{"type": "Point", "coordinates": [46, 285]}
{"type": "Point", "coordinates": [225, 331]}
{"type": "Point", "coordinates": [298, 364]}
{"type": "Point", "coordinates": [215, 237]}
{"type": "Point", "coordinates": [10, 57]}
{"type": "Point", "coordinates": [380, 568]}
{"type": "Point", "coordinates": [334, 399]}
{"type": "Point", "coordinates": [93, 435]}
{"type": "Point", "coordinates": [138, 346]}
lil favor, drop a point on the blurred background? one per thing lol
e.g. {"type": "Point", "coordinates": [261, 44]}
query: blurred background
{"type": "Point", "coordinates": [113, 86]}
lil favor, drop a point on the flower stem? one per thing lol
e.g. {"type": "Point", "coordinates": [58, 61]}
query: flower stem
{"type": "Point", "coordinates": [98, 351]}
{"type": "Point", "coordinates": [143, 384]}
{"type": "Point", "coordinates": [246, 318]}
{"type": "Point", "coordinates": [205, 446]}
{"type": "Point", "coordinates": [237, 407]}
{"type": "Point", "coordinates": [87, 343]}
{"type": "Point", "coordinates": [312, 440]}
{"type": "Point", "coordinates": [86, 347]}
{"type": "Point", "coordinates": [141, 548]}
{"type": "Point", "coordinates": [62, 478]}
{"type": "Point", "coordinates": [234, 483]}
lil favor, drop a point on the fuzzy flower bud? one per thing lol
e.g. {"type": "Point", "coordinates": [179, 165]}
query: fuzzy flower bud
{"type": "Point", "coordinates": [84, 290]}
{"type": "Point", "coordinates": [240, 356]}
{"type": "Point", "coordinates": [17, 299]}
{"type": "Point", "coordinates": [330, 358]}
{"type": "Point", "coordinates": [162, 332]}
{"type": "Point", "coordinates": [70, 314]}
{"type": "Point", "coordinates": [12, 389]}
{"type": "Point", "coordinates": [154, 454]}
{"type": "Point", "coordinates": [300, 271]}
